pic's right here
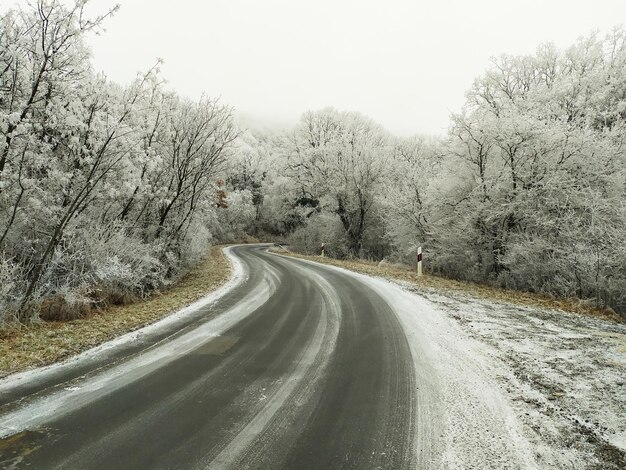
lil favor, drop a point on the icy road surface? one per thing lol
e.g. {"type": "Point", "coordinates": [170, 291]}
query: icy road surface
{"type": "Point", "coordinates": [291, 365]}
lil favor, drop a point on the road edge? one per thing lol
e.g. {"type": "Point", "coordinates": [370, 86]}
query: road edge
{"type": "Point", "coordinates": [237, 275]}
{"type": "Point", "coordinates": [449, 434]}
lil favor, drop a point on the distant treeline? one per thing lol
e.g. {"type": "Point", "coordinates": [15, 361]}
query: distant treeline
{"type": "Point", "coordinates": [109, 192]}
{"type": "Point", "coordinates": [527, 190]}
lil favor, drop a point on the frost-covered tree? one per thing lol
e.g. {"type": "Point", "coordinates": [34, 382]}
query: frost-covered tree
{"type": "Point", "coordinates": [407, 198]}
{"type": "Point", "coordinates": [106, 192]}
{"type": "Point", "coordinates": [537, 159]}
{"type": "Point", "coordinates": [338, 162]}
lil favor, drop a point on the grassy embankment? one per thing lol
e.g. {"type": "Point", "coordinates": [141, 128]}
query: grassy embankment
{"type": "Point", "coordinates": [485, 291]}
{"type": "Point", "coordinates": [48, 342]}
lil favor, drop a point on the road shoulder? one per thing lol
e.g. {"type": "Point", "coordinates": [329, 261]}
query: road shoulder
{"type": "Point", "coordinates": [550, 382]}
{"type": "Point", "coordinates": [46, 343]}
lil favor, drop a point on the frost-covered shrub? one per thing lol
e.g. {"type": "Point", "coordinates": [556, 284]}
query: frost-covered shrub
{"type": "Point", "coordinates": [11, 285]}
{"type": "Point", "coordinates": [69, 304]}
{"type": "Point", "coordinates": [534, 264]}
{"type": "Point", "coordinates": [237, 217]}
{"type": "Point", "coordinates": [195, 244]}
{"type": "Point", "coordinates": [116, 282]}
{"type": "Point", "coordinates": [103, 264]}
{"type": "Point", "coordinates": [323, 228]}
{"type": "Point", "coordinates": [124, 267]}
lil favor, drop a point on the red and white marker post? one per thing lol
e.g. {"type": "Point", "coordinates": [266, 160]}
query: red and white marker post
{"type": "Point", "coordinates": [419, 261]}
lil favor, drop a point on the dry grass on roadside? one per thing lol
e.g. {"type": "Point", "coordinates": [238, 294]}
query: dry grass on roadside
{"type": "Point", "coordinates": [45, 343]}
{"type": "Point", "coordinates": [478, 290]}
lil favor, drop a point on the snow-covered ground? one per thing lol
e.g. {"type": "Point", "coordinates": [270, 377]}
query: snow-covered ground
{"type": "Point", "coordinates": [502, 386]}
{"type": "Point", "coordinates": [564, 375]}
{"type": "Point", "coordinates": [498, 385]}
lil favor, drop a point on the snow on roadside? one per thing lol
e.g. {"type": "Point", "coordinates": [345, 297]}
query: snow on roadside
{"type": "Point", "coordinates": [564, 375]}
{"type": "Point", "coordinates": [478, 427]}
{"type": "Point", "coordinates": [39, 409]}
{"type": "Point", "coordinates": [464, 419]}
{"type": "Point", "coordinates": [518, 386]}
{"type": "Point", "coordinates": [237, 276]}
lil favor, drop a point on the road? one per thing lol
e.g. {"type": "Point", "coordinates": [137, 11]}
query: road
{"type": "Point", "coordinates": [298, 366]}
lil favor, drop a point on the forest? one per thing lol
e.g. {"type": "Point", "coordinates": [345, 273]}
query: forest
{"type": "Point", "coordinates": [110, 192]}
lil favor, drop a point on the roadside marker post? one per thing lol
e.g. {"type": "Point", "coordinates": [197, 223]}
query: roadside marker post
{"type": "Point", "coordinates": [322, 253]}
{"type": "Point", "coordinates": [419, 261]}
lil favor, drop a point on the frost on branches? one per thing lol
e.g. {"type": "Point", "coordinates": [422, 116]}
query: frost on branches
{"type": "Point", "coordinates": [526, 190]}
{"type": "Point", "coordinates": [105, 191]}
{"type": "Point", "coordinates": [109, 192]}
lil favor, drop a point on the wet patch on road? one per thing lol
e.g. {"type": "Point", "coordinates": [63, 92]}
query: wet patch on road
{"type": "Point", "coordinates": [14, 449]}
{"type": "Point", "coordinates": [217, 346]}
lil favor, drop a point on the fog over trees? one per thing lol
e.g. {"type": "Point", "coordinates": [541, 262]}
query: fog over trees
{"type": "Point", "coordinates": [108, 193]}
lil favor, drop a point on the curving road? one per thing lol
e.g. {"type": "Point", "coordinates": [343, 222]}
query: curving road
{"type": "Point", "coordinates": [297, 366]}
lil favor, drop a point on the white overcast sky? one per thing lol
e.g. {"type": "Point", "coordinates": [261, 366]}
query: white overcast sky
{"type": "Point", "coordinates": [405, 63]}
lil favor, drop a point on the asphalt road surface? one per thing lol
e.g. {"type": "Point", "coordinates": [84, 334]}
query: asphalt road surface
{"type": "Point", "coordinates": [299, 366]}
